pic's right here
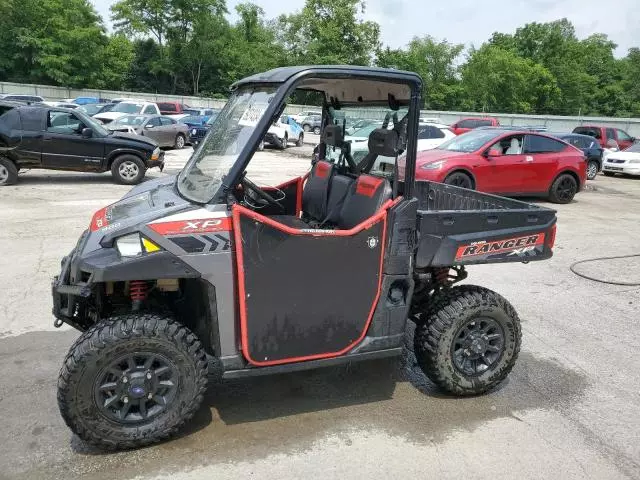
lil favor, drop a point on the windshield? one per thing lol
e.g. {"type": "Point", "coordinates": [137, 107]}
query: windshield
{"type": "Point", "coordinates": [471, 141]}
{"type": "Point", "coordinates": [202, 176]}
{"type": "Point", "coordinates": [90, 109]}
{"type": "Point", "coordinates": [91, 123]}
{"type": "Point", "coordinates": [366, 131]}
{"type": "Point", "coordinates": [133, 120]}
{"type": "Point", "coordinates": [192, 119]}
{"type": "Point", "coordinates": [124, 107]}
{"type": "Point", "coordinates": [634, 148]}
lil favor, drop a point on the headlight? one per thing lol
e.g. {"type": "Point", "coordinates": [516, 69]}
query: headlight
{"type": "Point", "coordinates": [433, 165]}
{"type": "Point", "coordinates": [156, 154]}
{"type": "Point", "coordinates": [194, 131]}
{"type": "Point", "coordinates": [129, 245]}
{"type": "Point", "coordinates": [634, 161]}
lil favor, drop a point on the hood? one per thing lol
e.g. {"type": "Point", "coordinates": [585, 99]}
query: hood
{"type": "Point", "coordinates": [623, 156]}
{"type": "Point", "coordinates": [436, 154]}
{"type": "Point", "coordinates": [109, 115]}
{"type": "Point", "coordinates": [135, 138]}
{"type": "Point", "coordinates": [142, 204]}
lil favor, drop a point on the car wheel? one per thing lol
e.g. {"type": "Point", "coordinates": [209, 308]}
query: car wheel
{"type": "Point", "coordinates": [563, 189]}
{"type": "Point", "coordinates": [132, 380]}
{"type": "Point", "coordinates": [300, 141]}
{"type": "Point", "coordinates": [128, 169]}
{"type": "Point", "coordinates": [459, 179]}
{"type": "Point", "coordinates": [180, 141]}
{"type": "Point", "coordinates": [8, 172]}
{"type": "Point", "coordinates": [306, 127]}
{"type": "Point", "coordinates": [284, 143]}
{"type": "Point", "coordinates": [316, 130]}
{"type": "Point", "coordinates": [468, 341]}
{"type": "Point", "coordinates": [592, 170]}
{"type": "Point", "coordinates": [608, 174]}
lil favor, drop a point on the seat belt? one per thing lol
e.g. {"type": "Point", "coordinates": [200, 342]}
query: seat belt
{"type": "Point", "coordinates": [335, 208]}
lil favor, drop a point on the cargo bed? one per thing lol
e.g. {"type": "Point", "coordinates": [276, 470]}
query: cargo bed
{"type": "Point", "coordinates": [457, 226]}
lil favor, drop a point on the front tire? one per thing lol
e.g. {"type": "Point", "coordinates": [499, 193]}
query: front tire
{"type": "Point", "coordinates": [284, 142]}
{"type": "Point", "coordinates": [180, 142]}
{"type": "Point", "coordinates": [459, 179]}
{"type": "Point", "coordinates": [132, 381]}
{"type": "Point", "coordinates": [300, 141]}
{"type": "Point", "coordinates": [306, 127]}
{"type": "Point", "coordinates": [316, 130]}
{"type": "Point", "coordinates": [592, 170]}
{"type": "Point", "coordinates": [563, 189]}
{"type": "Point", "coordinates": [468, 341]}
{"type": "Point", "coordinates": [8, 172]}
{"type": "Point", "coordinates": [128, 169]}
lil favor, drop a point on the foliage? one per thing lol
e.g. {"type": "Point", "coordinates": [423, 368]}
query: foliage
{"type": "Point", "coordinates": [198, 47]}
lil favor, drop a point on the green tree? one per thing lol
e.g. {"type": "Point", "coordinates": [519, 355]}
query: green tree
{"type": "Point", "coordinates": [434, 61]}
{"type": "Point", "coordinates": [330, 32]}
{"type": "Point", "coordinates": [498, 80]}
{"type": "Point", "coordinates": [142, 17]}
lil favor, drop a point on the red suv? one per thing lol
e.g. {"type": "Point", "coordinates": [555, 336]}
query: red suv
{"type": "Point", "coordinates": [172, 108]}
{"type": "Point", "coordinates": [607, 135]}
{"type": "Point", "coordinates": [507, 162]}
{"type": "Point", "coordinates": [466, 124]}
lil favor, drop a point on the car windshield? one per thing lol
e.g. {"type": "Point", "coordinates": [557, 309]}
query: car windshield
{"type": "Point", "coordinates": [635, 148]}
{"type": "Point", "coordinates": [90, 109]}
{"type": "Point", "coordinates": [471, 141]}
{"type": "Point", "coordinates": [366, 131]}
{"type": "Point", "coordinates": [132, 120]}
{"type": "Point", "coordinates": [124, 107]}
{"type": "Point", "coordinates": [202, 176]}
{"type": "Point", "coordinates": [192, 119]}
{"type": "Point", "coordinates": [91, 123]}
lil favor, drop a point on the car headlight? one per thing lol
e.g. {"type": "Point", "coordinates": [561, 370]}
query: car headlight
{"type": "Point", "coordinates": [433, 165]}
{"type": "Point", "coordinates": [634, 161]}
{"type": "Point", "coordinates": [133, 245]}
{"type": "Point", "coordinates": [156, 154]}
{"type": "Point", "coordinates": [194, 131]}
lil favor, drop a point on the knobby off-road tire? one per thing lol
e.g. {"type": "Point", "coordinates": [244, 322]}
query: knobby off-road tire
{"type": "Point", "coordinates": [168, 363]}
{"type": "Point", "coordinates": [468, 314]}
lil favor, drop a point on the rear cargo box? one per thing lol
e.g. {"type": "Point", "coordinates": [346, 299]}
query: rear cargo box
{"type": "Point", "coordinates": [459, 226]}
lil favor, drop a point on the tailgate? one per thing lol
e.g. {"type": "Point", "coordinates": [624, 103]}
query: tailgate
{"type": "Point", "coordinates": [464, 227]}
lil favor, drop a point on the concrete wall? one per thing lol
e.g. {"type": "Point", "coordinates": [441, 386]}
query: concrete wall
{"type": "Point", "coordinates": [552, 122]}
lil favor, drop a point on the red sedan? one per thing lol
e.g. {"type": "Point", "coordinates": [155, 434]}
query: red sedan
{"type": "Point", "coordinates": [513, 163]}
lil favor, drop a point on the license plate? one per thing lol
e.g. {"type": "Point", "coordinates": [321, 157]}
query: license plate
{"type": "Point", "coordinates": [614, 169]}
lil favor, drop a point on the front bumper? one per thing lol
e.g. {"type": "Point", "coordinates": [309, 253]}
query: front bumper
{"type": "Point", "coordinates": [157, 163]}
{"type": "Point", "coordinates": [627, 169]}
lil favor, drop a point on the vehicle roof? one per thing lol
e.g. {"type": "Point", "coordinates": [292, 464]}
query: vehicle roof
{"type": "Point", "coordinates": [570, 134]}
{"type": "Point", "coordinates": [11, 103]}
{"type": "Point", "coordinates": [434, 124]}
{"type": "Point", "coordinates": [339, 77]}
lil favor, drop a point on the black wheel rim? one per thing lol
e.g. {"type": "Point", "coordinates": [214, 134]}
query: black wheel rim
{"type": "Point", "coordinates": [136, 388]}
{"type": "Point", "coordinates": [566, 189]}
{"type": "Point", "coordinates": [477, 346]}
{"type": "Point", "coordinates": [459, 181]}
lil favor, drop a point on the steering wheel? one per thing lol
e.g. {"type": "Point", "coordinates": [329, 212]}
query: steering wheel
{"type": "Point", "coordinates": [249, 185]}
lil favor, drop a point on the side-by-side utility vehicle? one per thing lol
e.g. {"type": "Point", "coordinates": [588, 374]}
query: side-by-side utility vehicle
{"type": "Point", "coordinates": [324, 269]}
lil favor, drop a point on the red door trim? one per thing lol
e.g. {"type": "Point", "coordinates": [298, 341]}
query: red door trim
{"type": "Point", "coordinates": [239, 210]}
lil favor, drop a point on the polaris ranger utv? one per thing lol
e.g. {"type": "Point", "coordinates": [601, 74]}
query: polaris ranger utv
{"type": "Point", "coordinates": [321, 270]}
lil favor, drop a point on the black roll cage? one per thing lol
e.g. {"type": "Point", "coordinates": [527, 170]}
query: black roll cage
{"type": "Point", "coordinates": [288, 85]}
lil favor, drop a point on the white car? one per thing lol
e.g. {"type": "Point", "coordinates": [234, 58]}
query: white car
{"type": "Point", "coordinates": [298, 117]}
{"type": "Point", "coordinates": [283, 131]}
{"type": "Point", "coordinates": [128, 108]}
{"type": "Point", "coordinates": [626, 161]}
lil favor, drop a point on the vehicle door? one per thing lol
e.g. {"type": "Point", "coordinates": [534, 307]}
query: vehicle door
{"type": "Point", "coordinates": [624, 139]}
{"type": "Point", "coordinates": [502, 167]}
{"type": "Point", "coordinates": [64, 147]}
{"type": "Point", "coordinates": [169, 129]}
{"type": "Point", "coordinates": [543, 159]}
{"type": "Point", "coordinates": [153, 130]}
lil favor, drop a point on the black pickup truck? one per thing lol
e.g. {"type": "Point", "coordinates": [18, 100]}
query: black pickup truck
{"type": "Point", "coordinates": [39, 136]}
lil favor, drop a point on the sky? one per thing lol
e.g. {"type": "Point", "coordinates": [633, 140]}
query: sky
{"type": "Point", "coordinates": [472, 22]}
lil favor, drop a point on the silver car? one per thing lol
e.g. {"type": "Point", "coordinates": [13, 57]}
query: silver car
{"type": "Point", "coordinates": [166, 131]}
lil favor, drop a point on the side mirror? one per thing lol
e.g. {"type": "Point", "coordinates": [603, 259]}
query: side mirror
{"type": "Point", "coordinates": [87, 133]}
{"type": "Point", "coordinates": [149, 126]}
{"type": "Point", "coordinates": [494, 152]}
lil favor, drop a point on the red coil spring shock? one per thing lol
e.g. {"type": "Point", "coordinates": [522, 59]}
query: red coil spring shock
{"type": "Point", "coordinates": [138, 293]}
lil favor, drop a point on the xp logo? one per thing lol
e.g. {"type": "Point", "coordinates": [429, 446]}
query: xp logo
{"type": "Point", "coordinates": [201, 225]}
{"type": "Point", "coordinates": [372, 242]}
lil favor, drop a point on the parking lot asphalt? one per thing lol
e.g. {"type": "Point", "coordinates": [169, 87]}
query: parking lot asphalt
{"type": "Point", "coordinates": [568, 410]}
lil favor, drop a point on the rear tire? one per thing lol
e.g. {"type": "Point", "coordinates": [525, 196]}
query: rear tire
{"type": "Point", "coordinates": [163, 367]}
{"type": "Point", "coordinates": [180, 142]}
{"type": "Point", "coordinates": [468, 341]}
{"type": "Point", "coordinates": [300, 141]}
{"type": "Point", "coordinates": [306, 127]}
{"type": "Point", "coordinates": [8, 172]}
{"type": "Point", "coordinates": [563, 189]}
{"type": "Point", "coordinates": [316, 130]}
{"type": "Point", "coordinates": [459, 179]}
{"type": "Point", "coordinates": [128, 169]}
{"type": "Point", "coordinates": [592, 170]}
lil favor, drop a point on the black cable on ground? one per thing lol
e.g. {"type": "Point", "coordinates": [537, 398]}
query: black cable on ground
{"type": "Point", "coordinates": [599, 280]}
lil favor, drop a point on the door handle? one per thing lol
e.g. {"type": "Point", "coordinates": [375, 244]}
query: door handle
{"type": "Point", "coordinates": [528, 159]}
{"type": "Point", "coordinates": [47, 139]}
